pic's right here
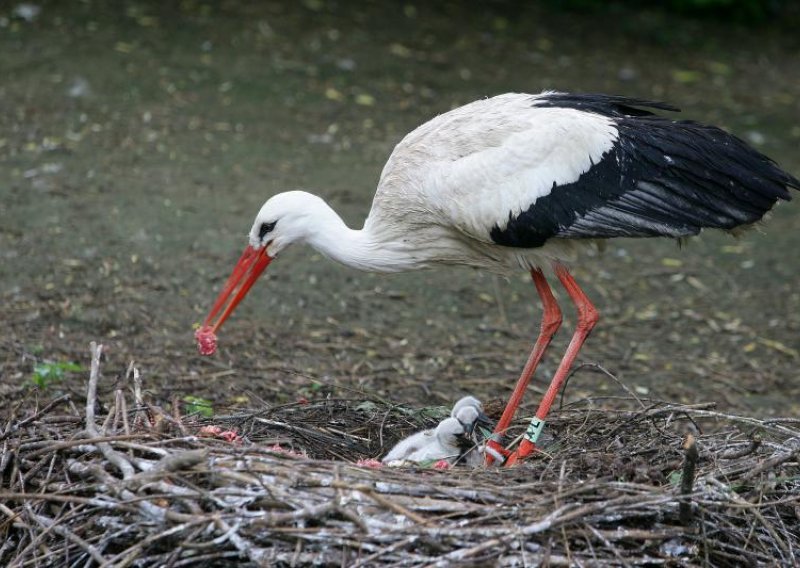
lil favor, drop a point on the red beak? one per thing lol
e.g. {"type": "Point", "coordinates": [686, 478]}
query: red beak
{"type": "Point", "coordinates": [247, 270]}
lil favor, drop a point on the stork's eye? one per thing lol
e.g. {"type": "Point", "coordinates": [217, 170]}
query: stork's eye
{"type": "Point", "coordinates": [265, 229]}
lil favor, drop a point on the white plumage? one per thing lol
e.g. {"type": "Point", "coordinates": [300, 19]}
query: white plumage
{"type": "Point", "coordinates": [447, 443]}
{"type": "Point", "coordinates": [477, 177]}
{"type": "Point", "coordinates": [408, 445]}
{"type": "Point", "coordinates": [467, 410]}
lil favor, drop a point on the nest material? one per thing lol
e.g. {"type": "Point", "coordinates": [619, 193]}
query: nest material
{"type": "Point", "coordinates": [613, 487]}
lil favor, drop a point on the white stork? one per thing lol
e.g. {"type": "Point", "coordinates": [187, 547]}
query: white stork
{"type": "Point", "coordinates": [518, 182]}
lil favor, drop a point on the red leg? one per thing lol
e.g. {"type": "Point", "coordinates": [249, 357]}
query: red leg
{"type": "Point", "coordinates": [587, 319]}
{"type": "Point", "coordinates": [551, 321]}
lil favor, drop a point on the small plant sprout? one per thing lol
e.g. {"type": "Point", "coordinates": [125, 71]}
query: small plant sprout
{"type": "Point", "coordinates": [46, 374]}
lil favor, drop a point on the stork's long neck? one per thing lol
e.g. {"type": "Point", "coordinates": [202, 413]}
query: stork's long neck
{"type": "Point", "coordinates": [364, 249]}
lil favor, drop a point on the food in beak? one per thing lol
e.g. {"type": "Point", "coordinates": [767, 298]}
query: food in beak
{"type": "Point", "coordinates": [206, 340]}
{"type": "Point", "coordinates": [247, 270]}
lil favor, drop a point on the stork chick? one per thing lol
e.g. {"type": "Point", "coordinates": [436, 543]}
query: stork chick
{"type": "Point", "coordinates": [469, 413]}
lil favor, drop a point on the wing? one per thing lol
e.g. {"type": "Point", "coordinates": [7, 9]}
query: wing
{"type": "Point", "coordinates": [408, 446]}
{"type": "Point", "coordinates": [518, 170]}
{"type": "Point", "coordinates": [661, 177]}
{"type": "Point", "coordinates": [433, 451]}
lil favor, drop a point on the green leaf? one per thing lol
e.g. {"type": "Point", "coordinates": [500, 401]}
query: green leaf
{"type": "Point", "coordinates": [485, 433]}
{"type": "Point", "coordinates": [436, 412]}
{"type": "Point", "coordinates": [45, 374]}
{"type": "Point", "coordinates": [198, 405]}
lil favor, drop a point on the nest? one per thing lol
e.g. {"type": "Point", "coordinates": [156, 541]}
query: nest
{"type": "Point", "coordinates": [136, 486]}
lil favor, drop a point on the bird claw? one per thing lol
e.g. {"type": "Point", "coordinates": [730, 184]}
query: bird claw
{"type": "Point", "coordinates": [517, 456]}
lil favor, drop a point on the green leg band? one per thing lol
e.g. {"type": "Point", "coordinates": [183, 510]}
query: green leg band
{"type": "Point", "coordinates": [534, 430]}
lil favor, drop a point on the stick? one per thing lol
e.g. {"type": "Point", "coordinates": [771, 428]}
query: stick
{"type": "Point", "coordinates": [68, 534]}
{"type": "Point", "coordinates": [91, 399]}
{"type": "Point", "coordinates": [691, 456]}
{"type": "Point", "coordinates": [755, 443]}
{"type": "Point", "coordinates": [140, 417]}
{"type": "Point", "coordinates": [44, 410]}
{"type": "Point", "coordinates": [388, 503]}
{"type": "Point", "coordinates": [51, 447]}
{"type": "Point", "coordinates": [91, 390]}
{"type": "Point", "coordinates": [769, 463]}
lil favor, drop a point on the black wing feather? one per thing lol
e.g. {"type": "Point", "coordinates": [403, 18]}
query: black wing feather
{"type": "Point", "coordinates": [607, 105]}
{"type": "Point", "coordinates": [661, 178]}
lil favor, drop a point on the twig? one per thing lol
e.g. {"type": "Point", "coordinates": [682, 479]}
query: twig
{"type": "Point", "coordinates": [388, 503]}
{"type": "Point", "coordinates": [48, 447]}
{"type": "Point", "coordinates": [68, 534]}
{"type": "Point", "coordinates": [140, 419]}
{"type": "Point", "coordinates": [384, 551]}
{"type": "Point", "coordinates": [91, 400]}
{"type": "Point", "coordinates": [255, 553]}
{"type": "Point", "coordinates": [128, 555]}
{"type": "Point", "coordinates": [122, 410]}
{"type": "Point", "coordinates": [622, 385]}
{"type": "Point", "coordinates": [600, 536]}
{"type": "Point", "coordinates": [754, 509]}
{"type": "Point", "coordinates": [770, 463]}
{"type": "Point", "coordinates": [755, 443]}
{"type": "Point", "coordinates": [691, 455]}
{"type": "Point", "coordinates": [313, 512]}
{"type": "Point", "coordinates": [36, 415]}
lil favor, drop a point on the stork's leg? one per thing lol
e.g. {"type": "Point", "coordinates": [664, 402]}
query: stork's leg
{"type": "Point", "coordinates": [551, 321]}
{"type": "Point", "coordinates": [587, 318]}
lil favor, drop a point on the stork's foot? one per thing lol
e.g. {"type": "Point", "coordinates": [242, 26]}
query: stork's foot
{"type": "Point", "coordinates": [514, 458]}
{"type": "Point", "coordinates": [495, 453]}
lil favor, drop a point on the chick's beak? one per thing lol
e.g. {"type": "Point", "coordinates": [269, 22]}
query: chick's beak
{"type": "Point", "coordinates": [484, 422]}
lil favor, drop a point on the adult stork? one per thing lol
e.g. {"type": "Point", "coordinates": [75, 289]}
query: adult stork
{"type": "Point", "coordinates": [519, 182]}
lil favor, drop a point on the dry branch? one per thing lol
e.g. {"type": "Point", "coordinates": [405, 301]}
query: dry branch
{"type": "Point", "coordinates": [691, 455]}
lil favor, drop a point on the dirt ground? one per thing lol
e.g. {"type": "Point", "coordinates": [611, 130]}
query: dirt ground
{"type": "Point", "coordinates": [137, 143]}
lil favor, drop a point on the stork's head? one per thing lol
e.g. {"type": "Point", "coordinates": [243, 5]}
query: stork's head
{"type": "Point", "coordinates": [283, 219]}
{"type": "Point", "coordinates": [469, 411]}
{"type": "Point", "coordinates": [450, 432]}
